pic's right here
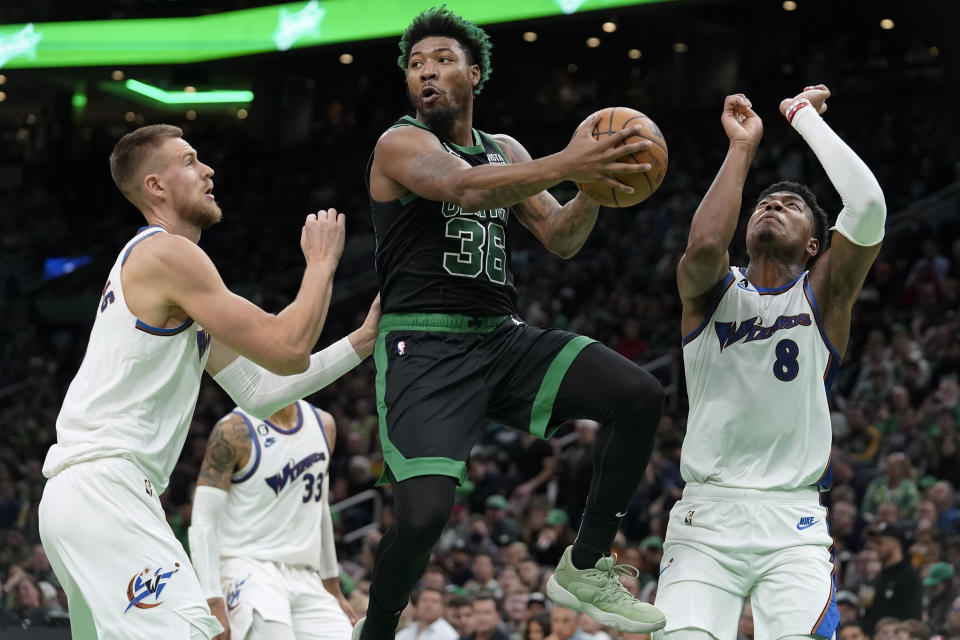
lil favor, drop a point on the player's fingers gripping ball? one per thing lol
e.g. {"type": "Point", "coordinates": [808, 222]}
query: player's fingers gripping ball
{"type": "Point", "coordinates": [612, 120]}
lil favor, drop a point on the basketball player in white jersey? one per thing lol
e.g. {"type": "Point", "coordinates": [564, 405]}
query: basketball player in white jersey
{"type": "Point", "coordinates": [261, 536]}
{"type": "Point", "coordinates": [762, 345]}
{"type": "Point", "coordinates": [164, 316]}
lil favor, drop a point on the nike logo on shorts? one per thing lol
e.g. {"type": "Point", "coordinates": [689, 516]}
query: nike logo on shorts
{"type": "Point", "coordinates": [806, 523]}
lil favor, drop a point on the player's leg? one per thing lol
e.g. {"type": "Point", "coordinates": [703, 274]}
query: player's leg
{"type": "Point", "coordinates": [431, 401]}
{"type": "Point", "coordinates": [422, 508]}
{"type": "Point", "coordinates": [261, 629]}
{"type": "Point", "coordinates": [136, 579]}
{"type": "Point", "coordinates": [551, 376]}
{"type": "Point", "coordinates": [82, 626]}
{"type": "Point", "coordinates": [700, 596]}
{"type": "Point", "coordinates": [627, 401]}
{"type": "Point", "coordinates": [315, 612]}
{"type": "Point", "coordinates": [795, 597]}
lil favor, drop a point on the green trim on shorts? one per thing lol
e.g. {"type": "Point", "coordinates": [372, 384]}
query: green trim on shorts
{"type": "Point", "coordinates": [400, 466]}
{"type": "Point", "coordinates": [543, 404]}
{"type": "Point", "coordinates": [438, 322]}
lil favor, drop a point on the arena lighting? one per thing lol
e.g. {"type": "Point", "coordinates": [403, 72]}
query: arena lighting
{"type": "Point", "coordinates": [188, 97]}
{"type": "Point", "coordinates": [248, 31]}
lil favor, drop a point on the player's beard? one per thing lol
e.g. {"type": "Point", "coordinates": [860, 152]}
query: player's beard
{"type": "Point", "coordinates": [203, 214]}
{"type": "Point", "coordinates": [441, 118]}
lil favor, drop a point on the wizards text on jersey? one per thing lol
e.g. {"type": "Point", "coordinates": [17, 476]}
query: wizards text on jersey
{"type": "Point", "coordinates": [752, 329]}
{"type": "Point", "coordinates": [292, 471]}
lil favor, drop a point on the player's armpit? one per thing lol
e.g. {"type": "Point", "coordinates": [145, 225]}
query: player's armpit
{"type": "Point", "coordinates": [228, 449]}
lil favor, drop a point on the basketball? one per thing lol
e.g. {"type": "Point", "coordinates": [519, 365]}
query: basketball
{"type": "Point", "coordinates": [613, 119]}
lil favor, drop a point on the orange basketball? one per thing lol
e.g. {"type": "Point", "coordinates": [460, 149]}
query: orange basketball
{"type": "Point", "coordinates": [613, 119]}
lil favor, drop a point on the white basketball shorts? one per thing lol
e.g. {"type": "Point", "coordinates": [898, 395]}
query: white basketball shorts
{"type": "Point", "coordinates": [124, 572]}
{"type": "Point", "coordinates": [725, 544]}
{"type": "Point", "coordinates": [280, 593]}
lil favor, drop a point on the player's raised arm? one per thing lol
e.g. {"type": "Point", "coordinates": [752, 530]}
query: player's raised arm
{"type": "Point", "coordinates": [838, 275]}
{"type": "Point", "coordinates": [262, 393]}
{"type": "Point", "coordinates": [228, 449]}
{"type": "Point", "coordinates": [705, 261]}
{"type": "Point", "coordinates": [410, 159]}
{"type": "Point", "coordinates": [183, 276]}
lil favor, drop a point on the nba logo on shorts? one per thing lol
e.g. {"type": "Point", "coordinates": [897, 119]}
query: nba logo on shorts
{"type": "Point", "coordinates": [401, 347]}
{"type": "Point", "coordinates": [689, 518]}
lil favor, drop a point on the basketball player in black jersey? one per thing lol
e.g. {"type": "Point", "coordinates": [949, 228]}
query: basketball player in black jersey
{"type": "Point", "coordinates": [452, 351]}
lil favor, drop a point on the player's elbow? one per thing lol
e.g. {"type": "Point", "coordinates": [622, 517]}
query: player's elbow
{"type": "Point", "coordinates": [564, 248]}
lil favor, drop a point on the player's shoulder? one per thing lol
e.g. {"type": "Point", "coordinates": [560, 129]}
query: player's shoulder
{"type": "Point", "coordinates": [403, 136]}
{"type": "Point", "coordinates": [512, 149]}
{"type": "Point", "coordinates": [233, 428]}
{"type": "Point", "coordinates": [164, 251]}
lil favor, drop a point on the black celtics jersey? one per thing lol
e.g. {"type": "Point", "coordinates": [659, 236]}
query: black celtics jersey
{"type": "Point", "coordinates": [433, 257]}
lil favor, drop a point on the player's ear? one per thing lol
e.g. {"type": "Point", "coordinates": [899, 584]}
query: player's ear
{"type": "Point", "coordinates": [474, 75]}
{"type": "Point", "coordinates": [152, 186]}
{"type": "Point", "coordinates": [813, 246]}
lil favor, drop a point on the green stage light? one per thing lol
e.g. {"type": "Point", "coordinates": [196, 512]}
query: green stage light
{"type": "Point", "coordinates": [248, 31]}
{"type": "Point", "coordinates": [193, 97]}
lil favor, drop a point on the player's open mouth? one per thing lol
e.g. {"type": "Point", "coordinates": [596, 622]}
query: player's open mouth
{"type": "Point", "coordinates": [209, 192]}
{"type": "Point", "coordinates": [429, 95]}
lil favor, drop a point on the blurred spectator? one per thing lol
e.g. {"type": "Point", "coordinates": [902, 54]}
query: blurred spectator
{"type": "Point", "coordinates": [898, 591]}
{"type": "Point", "coordinates": [848, 604]}
{"type": "Point", "coordinates": [483, 577]}
{"type": "Point", "coordinates": [888, 628]}
{"type": "Point", "coordinates": [851, 630]}
{"type": "Point", "coordinates": [913, 630]}
{"type": "Point", "coordinates": [503, 528]}
{"type": "Point", "coordinates": [862, 440]}
{"type": "Point", "coordinates": [590, 629]}
{"type": "Point", "coordinates": [948, 517]}
{"type": "Point", "coordinates": [460, 614]}
{"type": "Point", "coordinates": [538, 627]}
{"type": "Point", "coordinates": [428, 622]}
{"type": "Point", "coordinates": [939, 594]}
{"type": "Point", "coordinates": [563, 621]}
{"type": "Point", "coordinates": [486, 619]}
{"type": "Point", "coordinates": [896, 485]}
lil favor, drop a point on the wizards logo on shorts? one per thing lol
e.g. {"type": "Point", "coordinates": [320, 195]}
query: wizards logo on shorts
{"type": "Point", "coordinates": [233, 593]}
{"type": "Point", "coordinates": [145, 588]}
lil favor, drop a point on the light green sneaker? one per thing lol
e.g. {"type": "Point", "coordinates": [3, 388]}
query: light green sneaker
{"type": "Point", "coordinates": [598, 593]}
{"type": "Point", "coordinates": [357, 628]}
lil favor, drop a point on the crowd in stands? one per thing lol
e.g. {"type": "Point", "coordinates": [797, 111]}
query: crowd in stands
{"type": "Point", "coordinates": [895, 406]}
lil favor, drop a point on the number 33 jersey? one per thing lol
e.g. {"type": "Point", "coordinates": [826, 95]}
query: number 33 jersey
{"type": "Point", "coordinates": [758, 371]}
{"type": "Point", "coordinates": [275, 502]}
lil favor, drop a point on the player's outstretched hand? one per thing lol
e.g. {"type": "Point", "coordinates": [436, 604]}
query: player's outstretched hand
{"type": "Point", "coordinates": [739, 121]}
{"type": "Point", "coordinates": [322, 236]}
{"type": "Point", "coordinates": [589, 160]}
{"type": "Point", "coordinates": [817, 95]}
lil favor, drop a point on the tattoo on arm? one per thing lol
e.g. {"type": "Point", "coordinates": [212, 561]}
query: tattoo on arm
{"type": "Point", "coordinates": [228, 446]}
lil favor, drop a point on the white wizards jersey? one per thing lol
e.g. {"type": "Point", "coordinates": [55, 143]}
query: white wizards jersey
{"type": "Point", "coordinates": [758, 372]}
{"type": "Point", "coordinates": [275, 502]}
{"type": "Point", "coordinates": [136, 389]}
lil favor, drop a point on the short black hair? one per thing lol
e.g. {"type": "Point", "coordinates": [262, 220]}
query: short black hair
{"type": "Point", "coordinates": [415, 596]}
{"type": "Point", "coordinates": [483, 594]}
{"type": "Point", "coordinates": [440, 21]}
{"type": "Point", "coordinates": [820, 223]}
